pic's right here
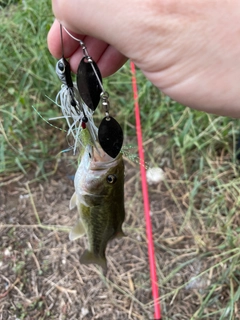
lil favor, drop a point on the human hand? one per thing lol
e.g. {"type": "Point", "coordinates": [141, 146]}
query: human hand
{"type": "Point", "coordinates": [188, 49]}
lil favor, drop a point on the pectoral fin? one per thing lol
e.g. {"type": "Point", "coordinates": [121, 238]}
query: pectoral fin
{"type": "Point", "coordinates": [77, 231]}
{"type": "Point", "coordinates": [73, 201]}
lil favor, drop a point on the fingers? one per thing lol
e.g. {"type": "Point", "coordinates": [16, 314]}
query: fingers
{"type": "Point", "coordinates": [84, 17]}
{"type": "Point", "coordinates": [109, 60]}
{"type": "Point", "coordinates": [95, 48]}
{"type": "Point", "coordinates": [55, 45]}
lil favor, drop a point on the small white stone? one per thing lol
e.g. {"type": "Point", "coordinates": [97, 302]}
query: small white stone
{"type": "Point", "coordinates": [7, 252]}
{"type": "Point", "coordinates": [155, 175]}
{"type": "Point", "coordinates": [84, 311]}
{"type": "Point", "coordinates": [24, 196]}
{"type": "Point", "coordinates": [63, 261]}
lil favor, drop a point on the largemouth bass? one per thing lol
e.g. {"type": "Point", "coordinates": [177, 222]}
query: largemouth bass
{"type": "Point", "coordinates": [99, 197]}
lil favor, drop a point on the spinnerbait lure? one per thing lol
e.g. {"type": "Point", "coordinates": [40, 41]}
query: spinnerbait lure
{"type": "Point", "coordinates": [89, 82]}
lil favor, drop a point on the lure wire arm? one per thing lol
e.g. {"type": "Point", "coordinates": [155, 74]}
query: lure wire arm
{"type": "Point", "coordinates": [61, 36]}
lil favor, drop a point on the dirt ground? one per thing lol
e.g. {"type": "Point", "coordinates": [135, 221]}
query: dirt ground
{"type": "Point", "coordinates": [40, 273]}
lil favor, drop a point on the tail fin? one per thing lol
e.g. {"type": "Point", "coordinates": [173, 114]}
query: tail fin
{"type": "Point", "coordinates": [120, 234]}
{"type": "Point", "coordinates": [88, 257]}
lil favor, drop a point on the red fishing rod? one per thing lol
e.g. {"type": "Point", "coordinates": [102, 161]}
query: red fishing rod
{"type": "Point", "coordinates": [151, 254]}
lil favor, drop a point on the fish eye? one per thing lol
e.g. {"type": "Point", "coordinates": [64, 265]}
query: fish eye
{"type": "Point", "coordinates": [61, 67]}
{"type": "Point", "coordinates": [111, 178]}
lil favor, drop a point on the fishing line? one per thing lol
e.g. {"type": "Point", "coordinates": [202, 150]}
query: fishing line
{"type": "Point", "coordinates": [151, 254]}
{"type": "Point", "coordinates": [74, 38]}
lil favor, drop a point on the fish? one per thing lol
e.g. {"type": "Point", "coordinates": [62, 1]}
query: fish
{"type": "Point", "coordinates": [99, 198]}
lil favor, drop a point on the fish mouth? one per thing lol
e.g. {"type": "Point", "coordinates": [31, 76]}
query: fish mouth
{"type": "Point", "coordinates": [101, 160]}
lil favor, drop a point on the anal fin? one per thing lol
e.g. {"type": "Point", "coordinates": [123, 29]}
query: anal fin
{"type": "Point", "coordinates": [77, 231]}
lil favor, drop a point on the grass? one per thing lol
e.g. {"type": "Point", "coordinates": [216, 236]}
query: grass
{"type": "Point", "coordinates": [23, 43]}
{"type": "Point", "coordinates": [195, 210]}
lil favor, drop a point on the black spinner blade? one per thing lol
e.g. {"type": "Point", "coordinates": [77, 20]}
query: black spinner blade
{"type": "Point", "coordinates": [88, 85]}
{"type": "Point", "coordinates": [110, 136]}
